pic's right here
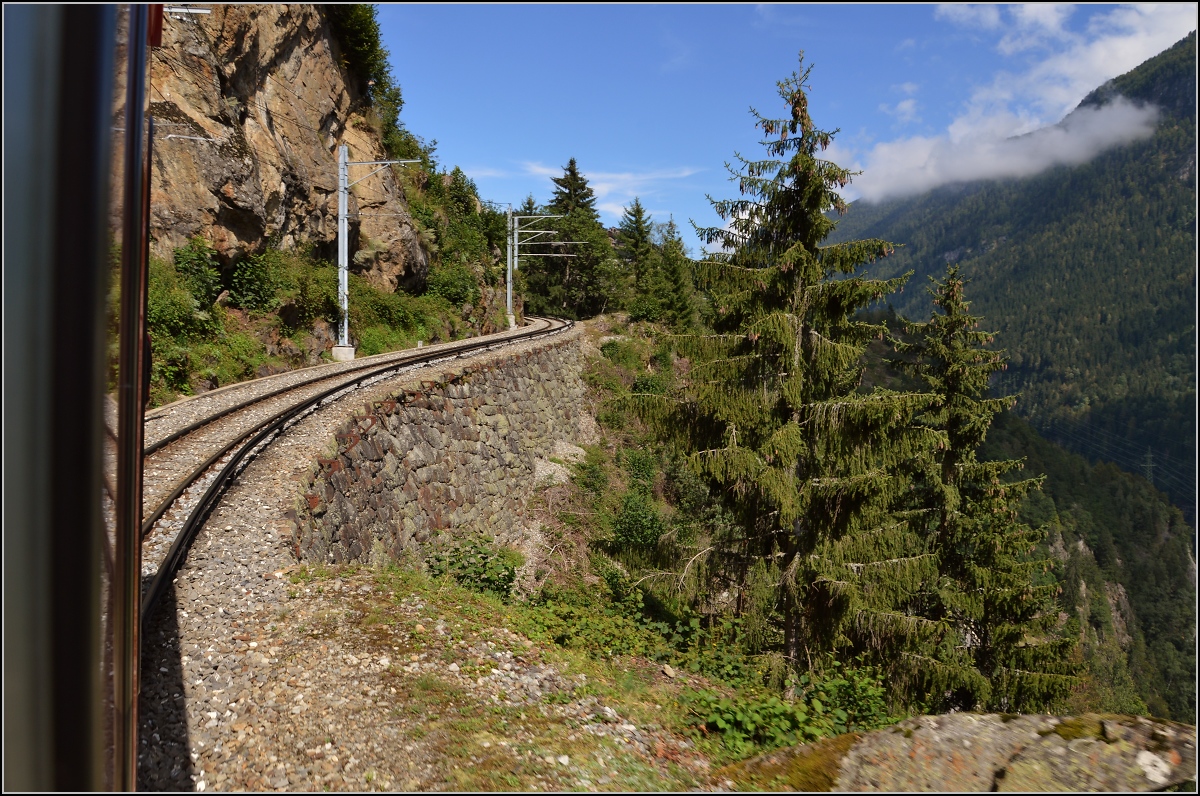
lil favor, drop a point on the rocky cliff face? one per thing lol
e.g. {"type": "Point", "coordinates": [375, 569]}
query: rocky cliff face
{"type": "Point", "coordinates": [250, 105]}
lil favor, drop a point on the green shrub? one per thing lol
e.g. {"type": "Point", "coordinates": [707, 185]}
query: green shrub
{"type": "Point", "coordinates": [590, 473]}
{"type": "Point", "coordinates": [641, 464]}
{"type": "Point", "coordinates": [312, 295]}
{"type": "Point", "coordinates": [622, 353]}
{"type": "Point", "coordinates": [235, 357]}
{"type": "Point", "coordinates": [453, 282]}
{"type": "Point", "coordinates": [638, 525]}
{"type": "Point", "coordinates": [857, 690]}
{"type": "Point", "coordinates": [749, 723]}
{"type": "Point", "coordinates": [715, 651]}
{"type": "Point", "coordinates": [171, 308]}
{"type": "Point", "coordinates": [379, 339]}
{"type": "Point", "coordinates": [651, 383]}
{"type": "Point", "coordinates": [589, 628]}
{"type": "Point", "coordinates": [257, 281]}
{"type": "Point", "coordinates": [850, 701]}
{"type": "Point", "coordinates": [370, 306]}
{"type": "Point", "coordinates": [476, 565]}
{"type": "Point", "coordinates": [644, 308]}
{"type": "Point", "coordinates": [196, 263]}
{"type": "Point", "coordinates": [170, 369]}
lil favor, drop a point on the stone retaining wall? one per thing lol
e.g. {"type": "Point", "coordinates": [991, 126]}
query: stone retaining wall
{"type": "Point", "coordinates": [457, 454]}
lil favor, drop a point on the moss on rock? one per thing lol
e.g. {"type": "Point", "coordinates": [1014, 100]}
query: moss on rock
{"type": "Point", "coordinates": [809, 767]}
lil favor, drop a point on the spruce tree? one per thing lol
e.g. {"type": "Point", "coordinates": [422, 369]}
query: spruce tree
{"type": "Point", "coordinates": [772, 418]}
{"type": "Point", "coordinates": [585, 283]}
{"type": "Point", "coordinates": [1000, 619]}
{"type": "Point", "coordinates": [544, 292]}
{"type": "Point", "coordinates": [636, 246]}
{"type": "Point", "coordinates": [675, 299]}
{"type": "Point", "coordinates": [572, 193]}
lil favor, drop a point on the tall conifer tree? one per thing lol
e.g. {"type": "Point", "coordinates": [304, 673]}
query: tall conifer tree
{"type": "Point", "coordinates": [636, 246]}
{"type": "Point", "coordinates": [572, 193]}
{"type": "Point", "coordinates": [584, 283]}
{"type": "Point", "coordinates": [1000, 618]}
{"type": "Point", "coordinates": [772, 416]}
{"type": "Point", "coordinates": [678, 309]}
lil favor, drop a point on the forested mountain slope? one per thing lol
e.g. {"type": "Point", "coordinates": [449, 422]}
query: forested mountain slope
{"type": "Point", "coordinates": [1087, 273]}
{"type": "Point", "coordinates": [1126, 570]}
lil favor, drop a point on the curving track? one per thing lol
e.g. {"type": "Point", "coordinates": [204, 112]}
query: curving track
{"type": "Point", "coordinates": [197, 446]}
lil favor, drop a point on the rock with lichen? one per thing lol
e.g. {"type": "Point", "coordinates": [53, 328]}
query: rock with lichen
{"type": "Point", "coordinates": [965, 752]}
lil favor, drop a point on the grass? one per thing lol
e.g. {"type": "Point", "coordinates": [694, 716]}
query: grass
{"type": "Point", "coordinates": [478, 740]}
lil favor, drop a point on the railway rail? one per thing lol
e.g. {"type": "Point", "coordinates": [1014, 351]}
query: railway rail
{"type": "Point", "coordinates": [87, 550]}
{"type": "Point", "coordinates": [192, 460]}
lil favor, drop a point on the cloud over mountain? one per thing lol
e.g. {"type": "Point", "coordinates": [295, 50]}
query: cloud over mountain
{"type": "Point", "coordinates": [989, 150]}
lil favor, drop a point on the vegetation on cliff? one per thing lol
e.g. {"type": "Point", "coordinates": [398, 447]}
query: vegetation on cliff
{"type": "Point", "coordinates": [274, 311]}
{"type": "Point", "coordinates": [213, 323]}
{"type": "Point", "coordinates": [365, 58]}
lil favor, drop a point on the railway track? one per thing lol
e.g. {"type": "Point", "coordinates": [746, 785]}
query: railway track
{"type": "Point", "coordinates": [196, 447]}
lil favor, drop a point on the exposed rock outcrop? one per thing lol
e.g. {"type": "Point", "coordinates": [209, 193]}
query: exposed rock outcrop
{"type": "Point", "coordinates": [251, 103]}
{"type": "Point", "coordinates": [968, 752]}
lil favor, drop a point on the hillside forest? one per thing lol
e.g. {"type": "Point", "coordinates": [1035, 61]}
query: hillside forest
{"type": "Point", "coordinates": [810, 554]}
{"type": "Point", "coordinates": [835, 503]}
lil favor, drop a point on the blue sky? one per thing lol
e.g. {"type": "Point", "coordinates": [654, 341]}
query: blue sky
{"type": "Point", "coordinates": [652, 100]}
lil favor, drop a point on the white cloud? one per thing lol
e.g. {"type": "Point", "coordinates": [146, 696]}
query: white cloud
{"type": "Point", "coordinates": [991, 137]}
{"type": "Point", "coordinates": [905, 111]}
{"type": "Point", "coordinates": [632, 184]}
{"type": "Point", "coordinates": [919, 164]}
{"type": "Point", "coordinates": [1036, 25]}
{"type": "Point", "coordinates": [680, 53]}
{"type": "Point", "coordinates": [484, 172]}
{"type": "Point", "coordinates": [968, 15]}
{"type": "Point", "coordinates": [538, 170]}
{"type": "Point", "coordinates": [907, 88]}
{"type": "Point", "coordinates": [1114, 44]}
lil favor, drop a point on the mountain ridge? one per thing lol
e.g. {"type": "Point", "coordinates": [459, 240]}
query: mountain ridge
{"type": "Point", "coordinates": [1087, 275]}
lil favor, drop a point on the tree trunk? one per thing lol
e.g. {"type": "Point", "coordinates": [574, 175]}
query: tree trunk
{"type": "Point", "coordinates": [792, 642]}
